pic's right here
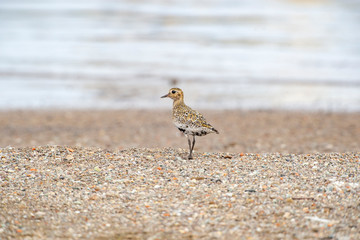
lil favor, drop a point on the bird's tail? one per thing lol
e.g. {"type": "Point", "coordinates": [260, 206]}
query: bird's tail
{"type": "Point", "coordinates": [216, 131]}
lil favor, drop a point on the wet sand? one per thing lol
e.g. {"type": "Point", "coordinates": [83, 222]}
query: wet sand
{"type": "Point", "coordinates": [268, 175]}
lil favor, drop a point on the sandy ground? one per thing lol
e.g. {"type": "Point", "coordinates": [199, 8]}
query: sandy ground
{"type": "Point", "coordinates": [255, 132]}
{"type": "Point", "coordinates": [123, 175]}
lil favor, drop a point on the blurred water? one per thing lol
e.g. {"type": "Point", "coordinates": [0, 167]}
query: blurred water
{"type": "Point", "coordinates": [225, 54]}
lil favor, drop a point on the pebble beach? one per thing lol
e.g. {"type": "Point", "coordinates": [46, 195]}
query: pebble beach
{"type": "Point", "coordinates": [124, 175]}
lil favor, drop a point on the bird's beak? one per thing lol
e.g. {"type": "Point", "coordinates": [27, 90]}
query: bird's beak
{"type": "Point", "coordinates": [166, 95]}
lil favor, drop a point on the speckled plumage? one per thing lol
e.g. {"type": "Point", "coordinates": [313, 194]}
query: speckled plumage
{"type": "Point", "coordinates": [190, 121]}
{"type": "Point", "coordinates": [187, 120]}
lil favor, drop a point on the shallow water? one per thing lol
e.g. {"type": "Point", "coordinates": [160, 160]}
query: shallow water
{"type": "Point", "coordinates": [261, 54]}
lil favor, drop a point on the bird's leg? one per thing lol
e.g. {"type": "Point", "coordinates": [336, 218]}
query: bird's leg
{"type": "Point", "coordinates": [193, 143]}
{"type": "Point", "coordinates": [190, 148]}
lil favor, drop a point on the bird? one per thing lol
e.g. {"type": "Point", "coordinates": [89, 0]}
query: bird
{"type": "Point", "coordinates": [189, 121]}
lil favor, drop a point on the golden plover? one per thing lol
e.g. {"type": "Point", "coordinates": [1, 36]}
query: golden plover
{"type": "Point", "coordinates": [187, 120]}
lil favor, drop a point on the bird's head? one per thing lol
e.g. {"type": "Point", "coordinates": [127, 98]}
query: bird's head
{"type": "Point", "coordinates": [175, 94]}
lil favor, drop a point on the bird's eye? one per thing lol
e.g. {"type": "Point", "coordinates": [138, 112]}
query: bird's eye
{"type": "Point", "coordinates": [173, 91]}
